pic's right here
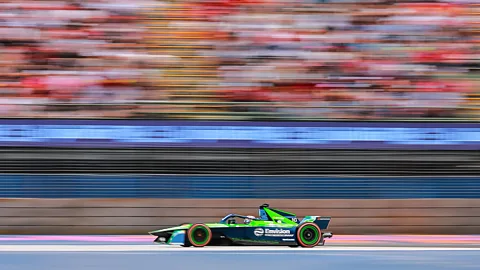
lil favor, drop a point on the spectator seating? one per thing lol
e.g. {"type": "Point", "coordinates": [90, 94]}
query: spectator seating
{"type": "Point", "coordinates": [240, 59]}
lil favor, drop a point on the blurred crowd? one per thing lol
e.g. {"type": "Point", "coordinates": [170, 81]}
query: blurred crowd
{"type": "Point", "coordinates": [306, 58]}
{"type": "Point", "coordinates": [383, 58]}
{"type": "Point", "coordinates": [64, 52]}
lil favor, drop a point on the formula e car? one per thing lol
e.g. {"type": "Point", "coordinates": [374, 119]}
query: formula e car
{"type": "Point", "coordinates": [272, 227]}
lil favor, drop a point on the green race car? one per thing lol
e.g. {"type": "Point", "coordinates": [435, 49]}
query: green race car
{"type": "Point", "coordinates": [272, 227]}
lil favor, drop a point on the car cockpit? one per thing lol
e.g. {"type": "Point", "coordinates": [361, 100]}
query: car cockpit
{"type": "Point", "coordinates": [242, 219]}
{"type": "Point", "coordinates": [238, 219]}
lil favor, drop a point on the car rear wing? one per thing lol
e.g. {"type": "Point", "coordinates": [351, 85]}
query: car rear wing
{"type": "Point", "coordinates": [321, 221]}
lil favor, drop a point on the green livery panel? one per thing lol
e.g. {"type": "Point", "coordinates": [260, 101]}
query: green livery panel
{"type": "Point", "coordinates": [272, 227]}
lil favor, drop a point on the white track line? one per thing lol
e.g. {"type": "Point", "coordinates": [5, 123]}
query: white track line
{"type": "Point", "coordinates": [160, 249]}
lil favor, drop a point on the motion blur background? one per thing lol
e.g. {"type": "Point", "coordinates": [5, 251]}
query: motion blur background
{"type": "Point", "coordinates": [125, 116]}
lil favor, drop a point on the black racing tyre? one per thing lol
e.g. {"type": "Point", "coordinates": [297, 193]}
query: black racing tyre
{"type": "Point", "coordinates": [308, 235]}
{"type": "Point", "coordinates": [199, 235]}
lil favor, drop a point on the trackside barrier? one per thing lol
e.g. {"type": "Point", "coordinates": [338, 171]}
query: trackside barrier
{"type": "Point", "coordinates": [137, 216]}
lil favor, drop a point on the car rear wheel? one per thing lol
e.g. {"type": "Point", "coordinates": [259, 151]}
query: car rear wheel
{"type": "Point", "coordinates": [199, 235]}
{"type": "Point", "coordinates": [308, 235]}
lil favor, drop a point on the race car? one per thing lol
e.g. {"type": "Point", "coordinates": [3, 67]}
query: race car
{"type": "Point", "coordinates": [272, 227]}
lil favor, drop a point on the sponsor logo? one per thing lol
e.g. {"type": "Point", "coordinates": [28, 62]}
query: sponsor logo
{"type": "Point", "coordinates": [278, 232]}
{"type": "Point", "coordinates": [258, 232]}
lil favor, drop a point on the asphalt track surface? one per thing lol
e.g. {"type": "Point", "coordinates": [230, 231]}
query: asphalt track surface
{"type": "Point", "coordinates": [138, 252]}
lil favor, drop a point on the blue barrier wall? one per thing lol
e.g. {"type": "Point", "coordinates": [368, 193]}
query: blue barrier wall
{"type": "Point", "coordinates": [238, 187]}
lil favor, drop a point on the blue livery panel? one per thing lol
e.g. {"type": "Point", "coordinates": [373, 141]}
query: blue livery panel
{"type": "Point", "coordinates": [260, 235]}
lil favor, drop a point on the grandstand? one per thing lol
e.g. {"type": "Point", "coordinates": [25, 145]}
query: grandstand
{"type": "Point", "coordinates": [276, 59]}
{"type": "Point", "coordinates": [176, 31]}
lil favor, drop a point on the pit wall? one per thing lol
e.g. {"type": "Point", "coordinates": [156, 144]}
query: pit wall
{"type": "Point", "coordinates": [138, 216]}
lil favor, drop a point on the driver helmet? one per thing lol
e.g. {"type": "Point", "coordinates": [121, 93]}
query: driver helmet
{"type": "Point", "coordinates": [248, 219]}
